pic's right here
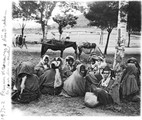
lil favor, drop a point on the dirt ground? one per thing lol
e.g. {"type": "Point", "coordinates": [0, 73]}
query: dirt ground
{"type": "Point", "coordinates": [61, 106]}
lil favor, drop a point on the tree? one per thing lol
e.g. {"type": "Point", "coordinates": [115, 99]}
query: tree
{"type": "Point", "coordinates": [24, 11]}
{"type": "Point", "coordinates": [66, 16]}
{"type": "Point", "coordinates": [44, 12]}
{"type": "Point", "coordinates": [134, 18]}
{"type": "Point", "coordinates": [119, 50]}
{"type": "Point", "coordinates": [63, 21]}
{"type": "Point", "coordinates": [41, 11]}
{"type": "Point", "coordinates": [103, 14]}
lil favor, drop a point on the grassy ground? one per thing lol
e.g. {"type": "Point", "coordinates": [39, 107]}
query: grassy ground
{"type": "Point", "coordinates": [61, 106]}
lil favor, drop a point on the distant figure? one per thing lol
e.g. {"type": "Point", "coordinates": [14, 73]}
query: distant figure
{"type": "Point", "coordinates": [24, 42]}
{"type": "Point", "coordinates": [101, 37]}
{"type": "Point", "coordinates": [14, 40]}
{"type": "Point", "coordinates": [68, 36]}
{"type": "Point", "coordinates": [20, 41]}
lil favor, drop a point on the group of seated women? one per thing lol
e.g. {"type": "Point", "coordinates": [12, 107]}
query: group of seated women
{"type": "Point", "coordinates": [71, 78]}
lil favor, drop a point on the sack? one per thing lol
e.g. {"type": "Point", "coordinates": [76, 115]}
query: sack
{"type": "Point", "coordinates": [90, 99]}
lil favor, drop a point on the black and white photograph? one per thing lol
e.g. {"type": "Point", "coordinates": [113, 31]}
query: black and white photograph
{"type": "Point", "coordinates": [70, 58]}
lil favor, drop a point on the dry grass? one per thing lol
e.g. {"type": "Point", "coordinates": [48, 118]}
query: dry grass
{"type": "Point", "coordinates": [56, 105]}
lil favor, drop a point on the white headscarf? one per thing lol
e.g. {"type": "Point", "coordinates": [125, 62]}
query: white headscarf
{"type": "Point", "coordinates": [44, 57]}
{"type": "Point", "coordinates": [58, 81]}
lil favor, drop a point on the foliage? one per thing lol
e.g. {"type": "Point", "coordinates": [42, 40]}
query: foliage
{"type": "Point", "coordinates": [66, 16]}
{"type": "Point", "coordinates": [41, 11]}
{"type": "Point", "coordinates": [134, 16]}
{"type": "Point", "coordinates": [44, 10]}
{"type": "Point", "coordinates": [15, 10]}
{"type": "Point", "coordinates": [24, 10]}
{"type": "Point", "coordinates": [65, 20]}
{"type": "Point", "coordinates": [104, 15]}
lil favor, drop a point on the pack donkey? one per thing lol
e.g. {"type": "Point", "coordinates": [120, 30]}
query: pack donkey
{"type": "Point", "coordinates": [55, 45]}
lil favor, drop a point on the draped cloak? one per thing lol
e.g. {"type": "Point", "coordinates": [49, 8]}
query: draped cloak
{"type": "Point", "coordinates": [75, 84]}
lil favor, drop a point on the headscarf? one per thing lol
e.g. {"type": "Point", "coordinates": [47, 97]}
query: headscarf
{"type": "Point", "coordinates": [130, 69]}
{"type": "Point", "coordinates": [59, 61]}
{"type": "Point", "coordinates": [32, 81]}
{"type": "Point", "coordinates": [45, 57]}
{"type": "Point", "coordinates": [55, 65]}
{"type": "Point", "coordinates": [25, 67]}
{"type": "Point", "coordinates": [69, 57]}
{"type": "Point", "coordinates": [97, 59]}
{"type": "Point", "coordinates": [134, 61]}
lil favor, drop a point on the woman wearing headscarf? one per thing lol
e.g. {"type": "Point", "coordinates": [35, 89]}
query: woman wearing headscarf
{"type": "Point", "coordinates": [75, 84]}
{"type": "Point", "coordinates": [129, 86]}
{"type": "Point", "coordinates": [51, 81]}
{"type": "Point", "coordinates": [42, 66]}
{"type": "Point", "coordinates": [94, 76]}
{"type": "Point", "coordinates": [26, 83]}
{"type": "Point", "coordinates": [134, 61]}
{"type": "Point", "coordinates": [69, 66]}
{"type": "Point", "coordinates": [99, 90]}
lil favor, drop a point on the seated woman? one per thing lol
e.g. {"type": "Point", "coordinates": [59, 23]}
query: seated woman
{"type": "Point", "coordinates": [42, 66]}
{"type": "Point", "coordinates": [92, 79]}
{"type": "Point", "coordinates": [134, 61]}
{"type": "Point", "coordinates": [69, 66]}
{"type": "Point", "coordinates": [129, 86]}
{"type": "Point", "coordinates": [101, 88]}
{"type": "Point", "coordinates": [26, 83]}
{"type": "Point", "coordinates": [51, 81]}
{"type": "Point", "coordinates": [94, 74]}
{"type": "Point", "coordinates": [75, 84]}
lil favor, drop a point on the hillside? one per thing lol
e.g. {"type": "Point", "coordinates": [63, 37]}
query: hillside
{"type": "Point", "coordinates": [82, 21]}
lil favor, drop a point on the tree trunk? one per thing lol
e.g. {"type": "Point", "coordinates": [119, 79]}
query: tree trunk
{"type": "Point", "coordinates": [43, 31]}
{"type": "Point", "coordinates": [22, 32]}
{"type": "Point", "coordinates": [22, 29]}
{"type": "Point", "coordinates": [105, 51]}
{"type": "Point", "coordinates": [129, 35]}
{"type": "Point", "coordinates": [60, 31]}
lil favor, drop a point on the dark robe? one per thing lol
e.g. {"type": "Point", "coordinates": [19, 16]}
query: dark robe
{"type": "Point", "coordinates": [129, 83]}
{"type": "Point", "coordinates": [75, 84]}
{"type": "Point", "coordinates": [31, 90]}
{"type": "Point", "coordinates": [47, 80]}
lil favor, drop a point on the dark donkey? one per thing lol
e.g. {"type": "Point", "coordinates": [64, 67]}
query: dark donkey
{"type": "Point", "coordinates": [54, 44]}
